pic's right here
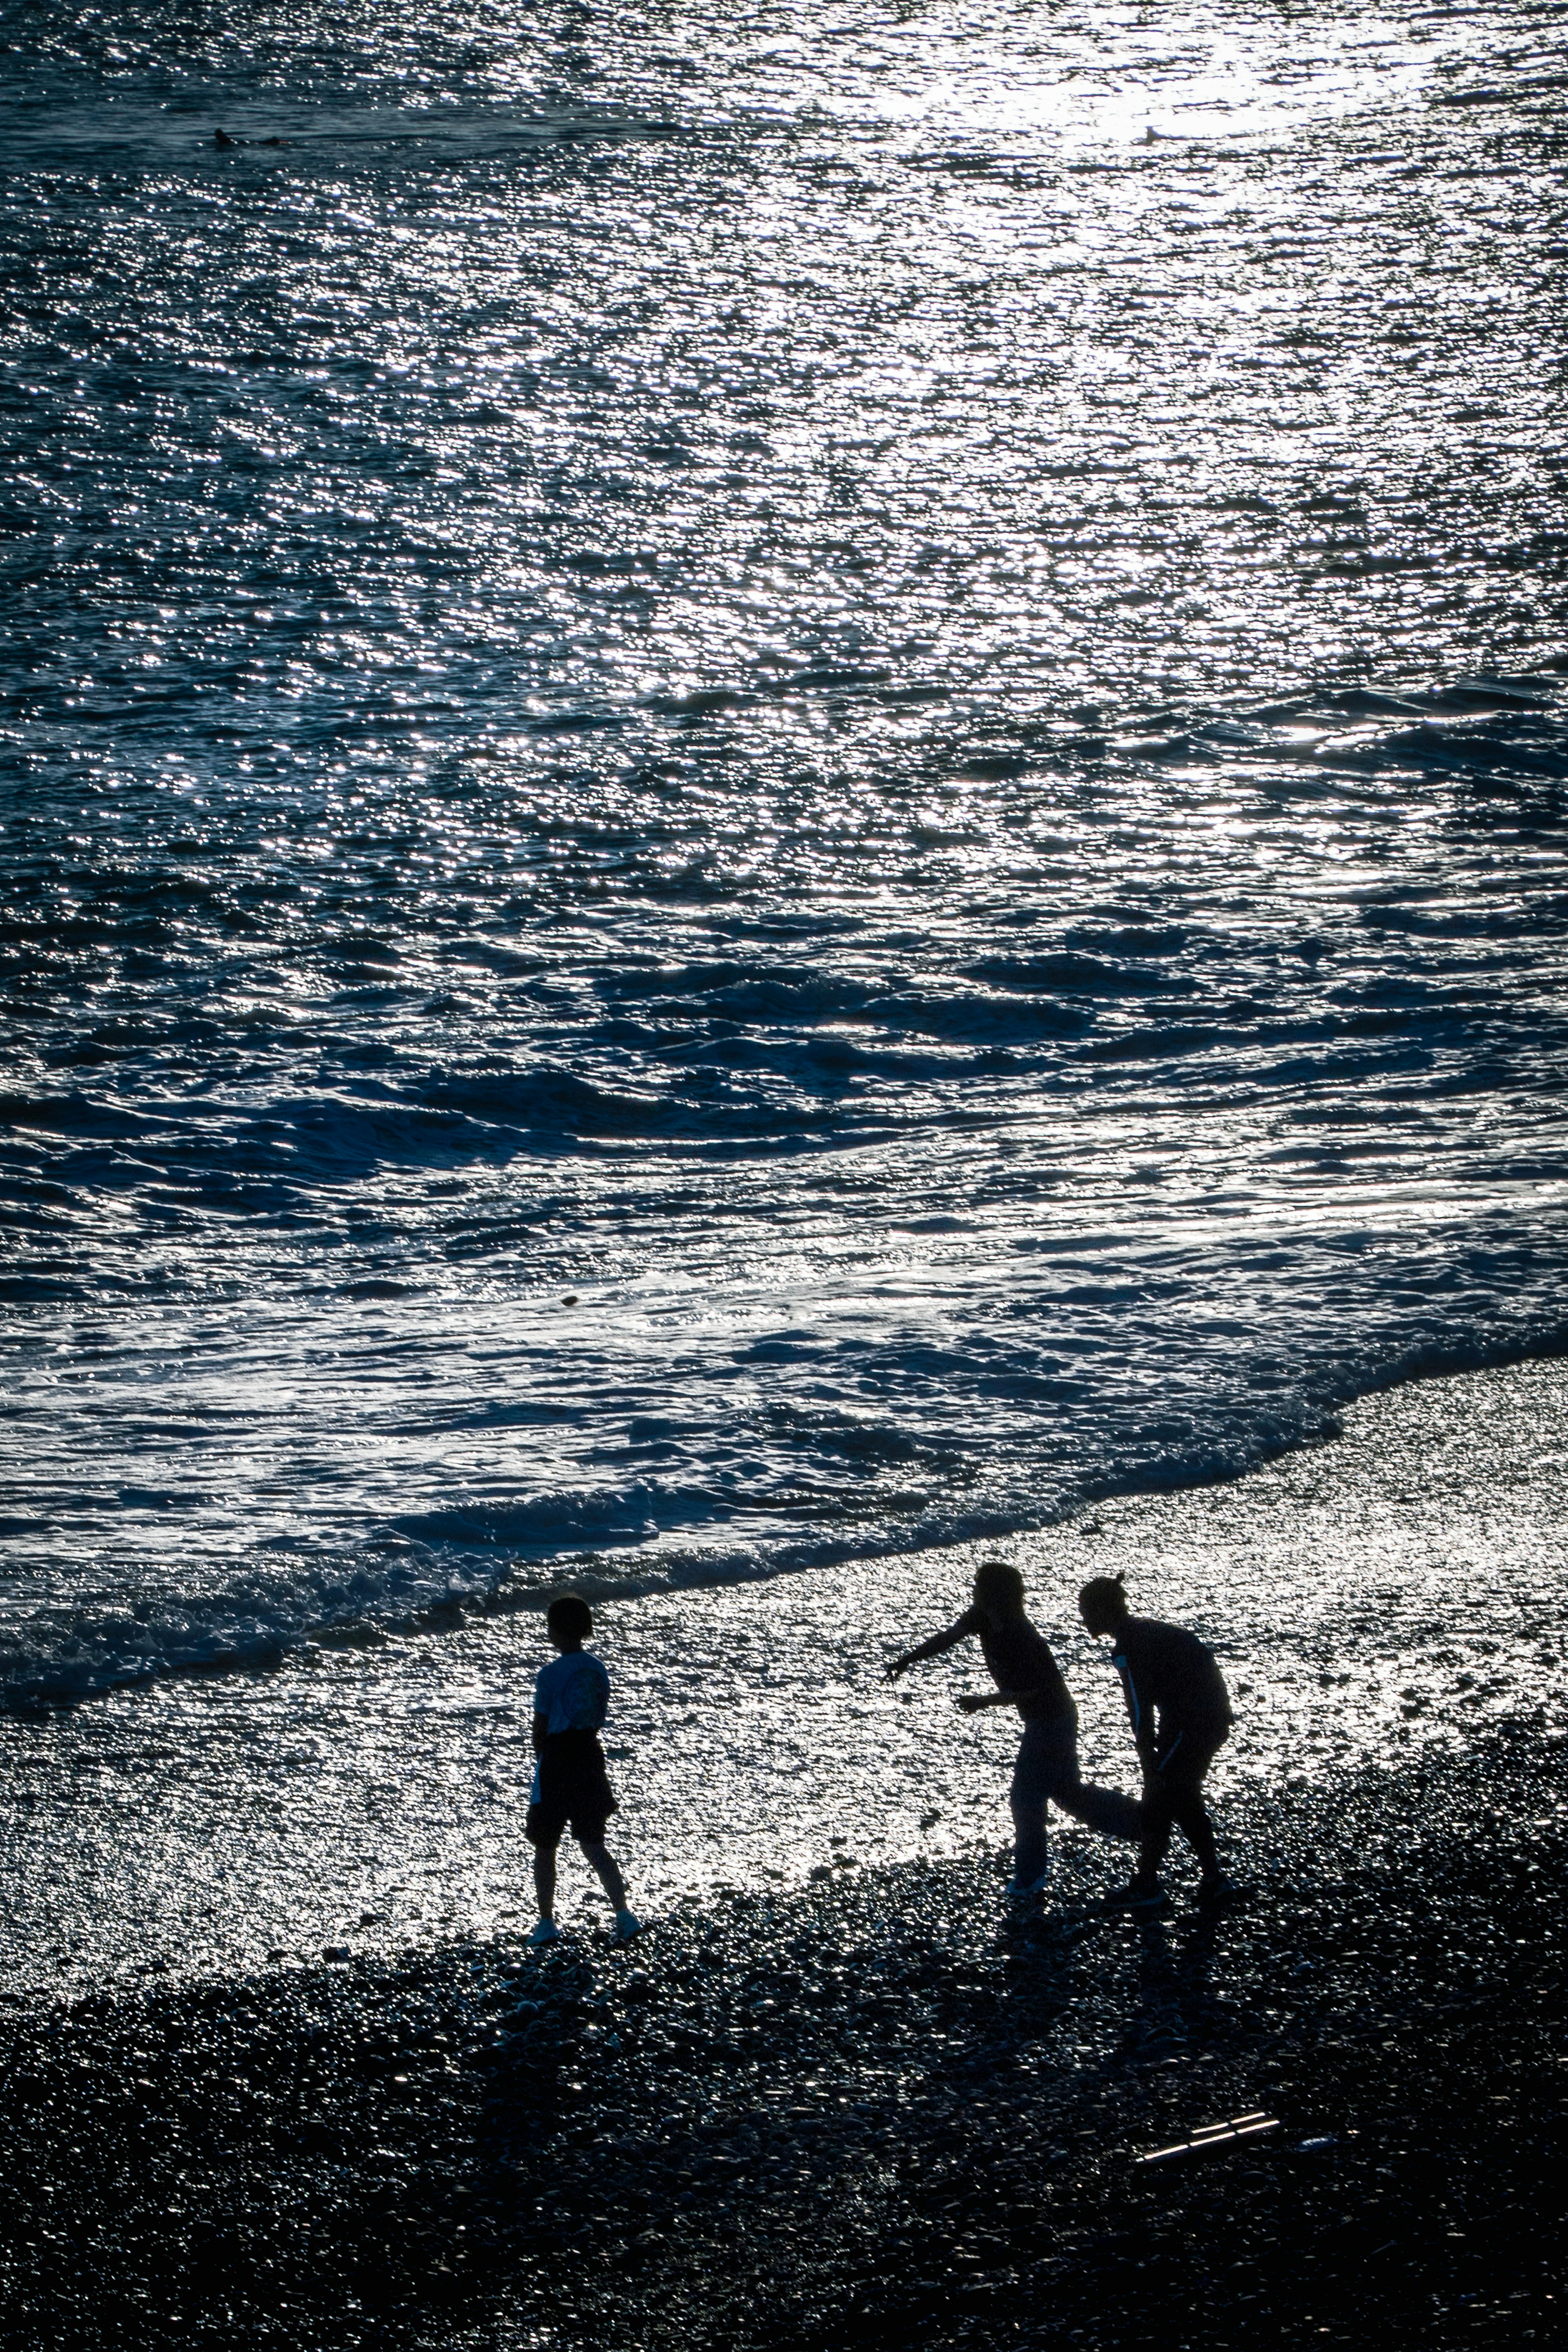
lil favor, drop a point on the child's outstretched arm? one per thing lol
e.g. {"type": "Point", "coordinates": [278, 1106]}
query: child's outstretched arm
{"type": "Point", "coordinates": [933, 1648]}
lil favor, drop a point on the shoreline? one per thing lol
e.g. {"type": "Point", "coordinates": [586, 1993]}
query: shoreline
{"type": "Point", "coordinates": [42, 1703]}
{"type": "Point", "coordinates": [864, 2107]}
{"type": "Point", "coordinates": [1389, 1594]}
{"type": "Point", "coordinates": [848, 2101]}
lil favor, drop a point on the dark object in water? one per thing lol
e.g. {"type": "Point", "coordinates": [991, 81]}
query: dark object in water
{"type": "Point", "coordinates": [1213, 2136]}
{"type": "Point", "coordinates": [221, 139]}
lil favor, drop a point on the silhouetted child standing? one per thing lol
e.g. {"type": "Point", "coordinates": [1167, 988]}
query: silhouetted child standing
{"type": "Point", "coordinates": [1180, 1712]}
{"type": "Point", "coordinates": [571, 1698]}
{"type": "Point", "coordinates": [1028, 1677]}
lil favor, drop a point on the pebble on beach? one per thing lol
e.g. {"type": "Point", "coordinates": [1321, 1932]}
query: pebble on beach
{"type": "Point", "coordinates": [867, 2109]}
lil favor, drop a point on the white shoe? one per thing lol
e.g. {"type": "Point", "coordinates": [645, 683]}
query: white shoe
{"type": "Point", "coordinates": [627, 1924]}
{"type": "Point", "coordinates": [547, 1932]}
{"type": "Point", "coordinates": [1017, 1893]}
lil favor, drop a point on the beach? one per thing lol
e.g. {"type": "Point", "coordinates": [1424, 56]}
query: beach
{"type": "Point", "coordinates": [857, 2112]}
{"type": "Point", "coordinates": [859, 2101]}
{"type": "Point", "coordinates": [1390, 1593]}
{"type": "Point", "coordinates": [781, 806]}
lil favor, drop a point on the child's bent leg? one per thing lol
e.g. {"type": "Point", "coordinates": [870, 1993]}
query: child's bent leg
{"type": "Point", "coordinates": [1191, 1812]}
{"type": "Point", "coordinates": [1053, 1752]}
{"type": "Point", "coordinates": [1183, 1796]}
{"type": "Point", "coordinates": [1105, 1810]}
{"type": "Point", "coordinates": [599, 1855]}
{"type": "Point", "coordinates": [1159, 1813]}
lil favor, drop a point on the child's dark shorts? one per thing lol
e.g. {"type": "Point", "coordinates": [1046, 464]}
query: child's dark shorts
{"type": "Point", "coordinates": [573, 1786]}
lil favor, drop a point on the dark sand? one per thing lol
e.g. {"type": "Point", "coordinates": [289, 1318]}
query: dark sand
{"type": "Point", "coordinates": [853, 2112]}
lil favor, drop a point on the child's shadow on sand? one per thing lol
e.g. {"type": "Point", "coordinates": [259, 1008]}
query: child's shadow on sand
{"type": "Point", "coordinates": [1176, 2010]}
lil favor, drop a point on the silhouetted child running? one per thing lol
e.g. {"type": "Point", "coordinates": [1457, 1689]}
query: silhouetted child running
{"type": "Point", "coordinates": [571, 1698]}
{"type": "Point", "coordinates": [1180, 1712]}
{"type": "Point", "coordinates": [1026, 1677]}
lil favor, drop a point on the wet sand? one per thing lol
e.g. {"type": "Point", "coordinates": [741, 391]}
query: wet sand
{"type": "Point", "coordinates": [852, 2103]}
{"type": "Point", "coordinates": [1391, 1594]}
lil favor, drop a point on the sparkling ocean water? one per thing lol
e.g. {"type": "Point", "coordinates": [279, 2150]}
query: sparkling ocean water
{"type": "Point", "coordinates": [777, 783]}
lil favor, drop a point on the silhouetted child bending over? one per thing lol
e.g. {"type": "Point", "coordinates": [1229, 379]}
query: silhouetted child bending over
{"type": "Point", "coordinates": [571, 1698]}
{"type": "Point", "coordinates": [1026, 1677]}
{"type": "Point", "coordinates": [1180, 1712]}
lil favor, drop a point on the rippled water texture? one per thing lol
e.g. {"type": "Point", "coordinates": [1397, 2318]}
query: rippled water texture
{"type": "Point", "coordinates": [774, 784]}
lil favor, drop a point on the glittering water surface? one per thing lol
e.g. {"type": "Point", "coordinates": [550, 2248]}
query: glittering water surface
{"type": "Point", "coordinates": [773, 785]}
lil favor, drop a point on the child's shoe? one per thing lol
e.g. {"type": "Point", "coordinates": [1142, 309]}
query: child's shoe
{"type": "Point", "coordinates": [547, 1932]}
{"type": "Point", "coordinates": [1020, 1896]}
{"type": "Point", "coordinates": [1216, 1888]}
{"type": "Point", "coordinates": [1145, 1898]}
{"type": "Point", "coordinates": [627, 1924]}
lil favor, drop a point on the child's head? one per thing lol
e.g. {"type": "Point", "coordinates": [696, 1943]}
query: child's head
{"type": "Point", "coordinates": [998, 1589]}
{"type": "Point", "coordinates": [1103, 1605]}
{"type": "Point", "coordinates": [571, 1620]}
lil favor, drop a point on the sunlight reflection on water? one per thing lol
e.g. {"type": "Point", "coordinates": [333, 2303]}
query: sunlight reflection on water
{"type": "Point", "coordinates": [780, 679]}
